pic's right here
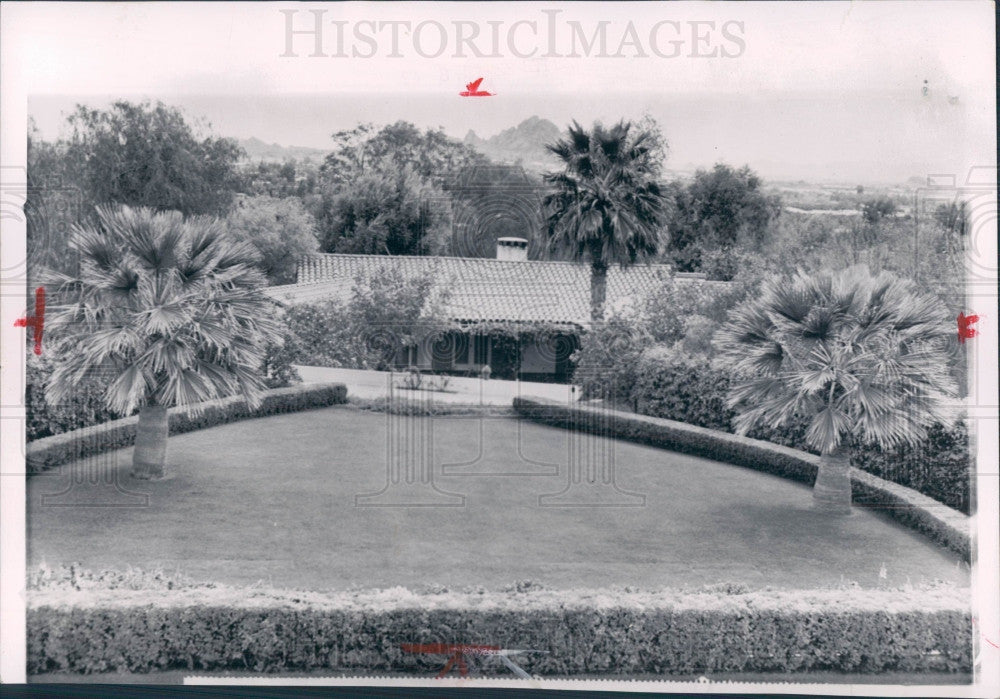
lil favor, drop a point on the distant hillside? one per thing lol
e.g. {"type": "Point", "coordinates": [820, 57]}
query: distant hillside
{"type": "Point", "coordinates": [524, 143]}
{"type": "Point", "coordinates": [258, 150]}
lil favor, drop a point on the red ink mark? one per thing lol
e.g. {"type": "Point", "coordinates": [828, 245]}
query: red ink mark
{"type": "Point", "coordinates": [472, 90]}
{"type": "Point", "coordinates": [983, 636]}
{"type": "Point", "coordinates": [37, 321]}
{"type": "Point", "coordinates": [454, 651]}
{"type": "Point", "coordinates": [965, 329]}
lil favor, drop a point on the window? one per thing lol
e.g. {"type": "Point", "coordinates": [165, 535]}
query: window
{"type": "Point", "coordinates": [461, 348]}
{"type": "Point", "coordinates": [482, 346]}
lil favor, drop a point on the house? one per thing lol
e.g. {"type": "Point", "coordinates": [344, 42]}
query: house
{"type": "Point", "coordinates": [522, 318]}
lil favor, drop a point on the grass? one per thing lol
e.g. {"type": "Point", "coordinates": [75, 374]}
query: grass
{"type": "Point", "coordinates": [273, 500]}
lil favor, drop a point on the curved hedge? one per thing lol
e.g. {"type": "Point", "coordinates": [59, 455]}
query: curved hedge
{"type": "Point", "coordinates": [581, 631]}
{"type": "Point", "coordinates": [941, 523]}
{"type": "Point", "coordinates": [45, 453]}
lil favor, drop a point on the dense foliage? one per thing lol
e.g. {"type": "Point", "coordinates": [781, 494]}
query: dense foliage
{"type": "Point", "coordinates": [728, 630]}
{"type": "Point", "coordinates": [381, 190]}
{"type": "Point", "coordinates": [133, 153]}
{"type": "Point", "coordinates": [722, 209]}
{"type": "Point", "coordinates": [385, 312]}
{"type": "Point", "coordinates": [385, 212]}
{"type": "Point", "coordinates": [83, 407]}
{"type": "Point", "coordinates": [280, 230]}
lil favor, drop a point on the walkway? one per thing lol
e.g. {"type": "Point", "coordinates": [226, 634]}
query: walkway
{"type": "Point", "coordinates": [374, 384]}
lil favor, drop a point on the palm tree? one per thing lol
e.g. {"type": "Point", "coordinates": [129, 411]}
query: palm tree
{"type": "Point", "coordinates": [167, 311]}
{"type": "Point", "coordinates": [606, 206]}
{"type": "Point", "coordinates": [854, 354]}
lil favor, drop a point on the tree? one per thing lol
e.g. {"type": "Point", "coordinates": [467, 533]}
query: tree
{"type": "Point", "coordinates": [605, 206]}
{"type": "Point", "coordinates": [290, 178]}
{"type": "Point", "coordinates": [877, 208]}
{"type": "Point", "coordinates": [385, 213]}
{"type": "Point", "coordinates": [382, 190]}
{"type": "Point", "coordinates": [148, 155]}
{"type": "Point", "coordinates": [168, 310]}
{"type": "Point", "coordinates": [721, 209]}
{"type": "Point", "coordinates": [53, 202]}
{"type": "Point", "coordinates": [856, 355]}
{"type": "Point", "coordinates": [281, 230]}
{"type": "Point", "coordinates": [953, 217]}
{"type": "Point", "coordinates": [432, 154]}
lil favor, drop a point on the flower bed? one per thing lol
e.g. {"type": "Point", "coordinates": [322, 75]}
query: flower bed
{"type": "Point", "coordinates": [941, 523]}
{"type": "Point", "coordinates": [45, 453]}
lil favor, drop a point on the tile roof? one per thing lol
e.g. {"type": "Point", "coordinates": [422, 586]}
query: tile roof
{"type": "Point", "coordinates": [485, 289]}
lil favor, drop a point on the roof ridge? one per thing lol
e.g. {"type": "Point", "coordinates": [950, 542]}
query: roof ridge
{"type": "Point", "coordinates": [472, 259]}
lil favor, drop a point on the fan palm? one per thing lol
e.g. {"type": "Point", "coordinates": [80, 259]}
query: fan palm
{"type": "Point", "coordinates": [854, 354]}
{"type": "Point", "coordinates": [605, 205]}
{"type": "Point", "coordinates": [166, 312]}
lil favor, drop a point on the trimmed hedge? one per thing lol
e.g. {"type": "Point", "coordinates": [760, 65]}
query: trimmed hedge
{"type": "Point", "coordinates": [595, 631]}
{"type": "Point", "coordinates": [43, 454]}
{"type": "Point", "coordinates": [84, 407]}
{"type": "Point", "coordinates": [677, 386]}
{"type": "Point", "coordinates": [941, 523]}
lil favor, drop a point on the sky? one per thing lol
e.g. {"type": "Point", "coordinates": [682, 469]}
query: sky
{"type": "Point", "coordinates": [817, 91]}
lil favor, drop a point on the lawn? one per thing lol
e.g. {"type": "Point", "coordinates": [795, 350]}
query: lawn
{"type": "Point", "coordinates": [273, 500]}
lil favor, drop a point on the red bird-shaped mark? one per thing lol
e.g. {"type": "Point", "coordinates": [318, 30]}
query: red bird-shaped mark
{"type": "Point", "coordinates": [965, 329]}
{"type": "Point", "coordinates": [472, 89]}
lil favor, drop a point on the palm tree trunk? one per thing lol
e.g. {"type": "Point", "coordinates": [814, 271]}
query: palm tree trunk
{"type": "Point", "coordinates": [598, 290]}
{"type": "Point", "coordinates": [150, 455]}
{"type": "Point", "coordinates": [832, 491]}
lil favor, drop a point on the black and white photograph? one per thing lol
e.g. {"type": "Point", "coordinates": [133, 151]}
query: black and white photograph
{"type": "Point", "coordinates": [582, 346]}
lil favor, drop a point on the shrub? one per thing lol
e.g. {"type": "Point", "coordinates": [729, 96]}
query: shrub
{"type": "Point", "coordinates": [939, 467]}
{"type": "Point", "coordinates": [325, 335]}
{"type": "Point", "coordinates": [385, 313]}
{"type": "Point", "coordinates": [52, 451]}
{"type": "Point", "coordinates": [666, 309]}
{"type": "Point", "coordinates": [682, 387]}
{"type": "Point", "coordinates": [607, 358]}
{"type": "Point", "coordinates": [278, 359]}
{"type": "Point", "coordinates": [580, 631]}
{"type": "Point", "coordinates": [85, 406]}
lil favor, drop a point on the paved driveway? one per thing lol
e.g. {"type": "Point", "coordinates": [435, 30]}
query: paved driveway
{"type": "Point", "coordinates": [374, 384]}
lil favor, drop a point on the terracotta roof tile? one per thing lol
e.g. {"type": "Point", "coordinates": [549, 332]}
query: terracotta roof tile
{"type": "Point", "coordinates": [485, 289]}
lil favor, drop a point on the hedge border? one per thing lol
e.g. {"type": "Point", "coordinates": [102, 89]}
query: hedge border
{"type": "Point", "coordinates": [583, 631]}
{"type": "Point", "coordinates": [49, 452]}
{"type": "Point", "coordinates": [939, 522]}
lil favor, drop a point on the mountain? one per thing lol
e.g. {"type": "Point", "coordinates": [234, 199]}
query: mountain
{"type": "Point", "coordinates": [259, 150]}
{"type": "Point", "coordinates": [524, 144]}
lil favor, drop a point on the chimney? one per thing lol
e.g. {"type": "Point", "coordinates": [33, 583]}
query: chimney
{"type": "Point", "coordinates": [512, 249]}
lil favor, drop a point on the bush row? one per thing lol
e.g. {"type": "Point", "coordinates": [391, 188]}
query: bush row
{"type": "Point", "coordinates": [83, 408]}
{"type": "Point", "coordinates": [62, 448]}
{"type": "Point", "coordinates": [690, 389]}
{"type": "Point", "coordinates": [941, 523]}
{"type": "Point", "coordinates": [601, 632]}
{"type": "Point", "coordinates": [86, 405]}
